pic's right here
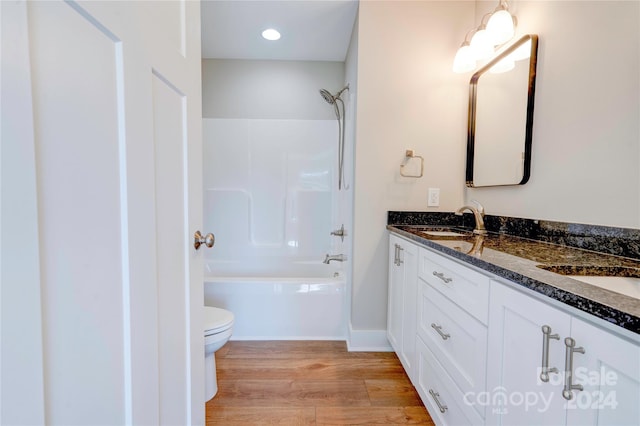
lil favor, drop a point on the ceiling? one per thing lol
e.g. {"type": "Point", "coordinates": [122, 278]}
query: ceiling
{"type": "Point", "coordinates": [312, 30]}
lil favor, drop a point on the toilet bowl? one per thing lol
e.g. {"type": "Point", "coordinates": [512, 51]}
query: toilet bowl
{"type": "Point", "coordinates": [218, 325]}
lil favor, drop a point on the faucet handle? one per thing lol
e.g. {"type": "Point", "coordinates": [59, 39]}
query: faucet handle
{"type": "Point", "coordinates": [480, 208]}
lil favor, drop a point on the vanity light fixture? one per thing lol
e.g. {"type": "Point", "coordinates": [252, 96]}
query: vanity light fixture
{"type": "Point", "coordinates": [482, 41]}
{"type": "Point", "coordinates": [271, 34]}
{"type": "Point", "coordinates": [501, 24]}
{"type": "Point", "coordinates": [465, 60]}
{"type": "Point", "coordinates": [495, 29]}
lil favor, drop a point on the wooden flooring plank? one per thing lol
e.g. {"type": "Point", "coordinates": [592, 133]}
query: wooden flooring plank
{"type": "Point", "coordinates": [286, 393]}
{"type": "Point", "coordinates": [372, 416]}
{"type": "Point", "coordinates": [308, 368]}
{"type": "Point", "coordinates": [399, 393]}
{"type": "Point", "coordinates": [244, 416]}
{"type": "Point", "coordinates": [280, 349]}
{"type": "Point", "coordinates": [284, 348]}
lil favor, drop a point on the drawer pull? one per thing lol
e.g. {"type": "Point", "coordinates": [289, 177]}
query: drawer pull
{"type": "Point", "coordinates": [568, 368]}
{"type": "Point", "coordinates": [438, 328]}
{"type": "Point", "coordinates": [435, 396]}
{"type": "Point", "coordinates": [442, 277]}
{"type": "Point", "coordinates": [546, 336]}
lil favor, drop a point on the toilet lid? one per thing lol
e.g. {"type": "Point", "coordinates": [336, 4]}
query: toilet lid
{"type": "Point", "coordinates": [216, 319]}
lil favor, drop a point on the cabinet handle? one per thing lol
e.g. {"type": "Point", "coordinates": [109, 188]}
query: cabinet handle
{"type": "Point", "coordinates": [545, 370]}
{"type": "Point", "coordinates": [435, 396]}
{"type": "Point", "coordinates": [568, 368]}
{"type": "Point", "coordinates": [395, 254]}
{"type": "Point", "coordinates": [438, 328]}
{"type": "Point", "coordinates": [400, 249]}
{"type": "Point", "coordinates": [442, 277]}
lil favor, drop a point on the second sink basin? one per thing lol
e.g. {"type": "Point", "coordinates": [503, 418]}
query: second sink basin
{"type": "Point", "coordinates": [593, 270]}
{"type": "Point", "coordinates": [623, 285]}
{"type": "Point", "coordinates": [619, 279]}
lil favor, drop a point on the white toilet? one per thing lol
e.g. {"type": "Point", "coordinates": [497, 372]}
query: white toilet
{"type": "Point", "coordinates": [218, 325]}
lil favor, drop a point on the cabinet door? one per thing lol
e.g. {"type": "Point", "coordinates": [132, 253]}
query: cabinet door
{"type": "Point", "coordinates": [515, 394]}
{"type": "Point", "coordinates": [394, 302]}
{"type": "Point", "coordinates": [409, 257]}
{"type": "Point", "coordinates": [402, 302]}
{"type": "Point", "coordinates": [609, 371]}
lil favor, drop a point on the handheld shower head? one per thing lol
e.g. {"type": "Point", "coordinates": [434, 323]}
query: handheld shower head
{"type": "Point", "coordinates": [327, 96]}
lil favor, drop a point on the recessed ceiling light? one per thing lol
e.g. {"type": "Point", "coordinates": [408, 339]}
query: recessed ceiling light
{"type": "Point", "coordinates": [271, 34]}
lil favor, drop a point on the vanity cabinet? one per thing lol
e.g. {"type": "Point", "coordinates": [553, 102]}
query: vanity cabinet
{"type": "Point", "coordinates": [480, 350]}
{"type": "Point", "coordinates": [528, 366]}
{"type": "Point", "coordinates": [401, 305]}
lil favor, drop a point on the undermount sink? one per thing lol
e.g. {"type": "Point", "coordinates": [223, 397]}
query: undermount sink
{"type": "Point", "coordinates": [619, 279]}
{"type": "Point", "coordinates": [443, 233]}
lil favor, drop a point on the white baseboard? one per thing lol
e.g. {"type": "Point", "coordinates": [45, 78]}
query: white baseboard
{"type": "Point", "coordinates": [279, 337]}
{"type": "Point", "coordinates": [368, 341]}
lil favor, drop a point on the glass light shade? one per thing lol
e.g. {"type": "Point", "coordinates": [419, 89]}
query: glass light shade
{"type": "Point", "coordinates": [507, 64]}
{"type": "Point", "coordinates": [464, 61]}
{"type": "Point", "coordinates": [500, 27]}
{"type": "Point", "coordinates": [481, 45]}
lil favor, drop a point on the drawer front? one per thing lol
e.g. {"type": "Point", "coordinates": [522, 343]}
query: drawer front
{"type": "Point", "coordinates": [465, 287]}
{"type": "Point", "coordinates": [436, 387]}
{"type": "Point", "coordinates": [458, 340]}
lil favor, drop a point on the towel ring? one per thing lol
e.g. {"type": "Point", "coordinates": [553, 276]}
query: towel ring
{"type": "Point", "coordinates": [409, 154]}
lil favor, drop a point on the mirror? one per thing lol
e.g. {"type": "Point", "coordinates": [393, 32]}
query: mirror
{"type": "Point", "coordinates": [501, 117]}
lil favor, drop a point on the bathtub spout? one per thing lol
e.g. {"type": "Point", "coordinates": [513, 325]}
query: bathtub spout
{"type": "Point", "coordinates": [338, 257]}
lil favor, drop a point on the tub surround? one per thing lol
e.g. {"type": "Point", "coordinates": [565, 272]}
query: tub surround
{"type": "Point", "coordinates": [515, 249]}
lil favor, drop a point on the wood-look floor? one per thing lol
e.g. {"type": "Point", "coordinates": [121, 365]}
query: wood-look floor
{"type": "Point", "coordinates": [311, 383]}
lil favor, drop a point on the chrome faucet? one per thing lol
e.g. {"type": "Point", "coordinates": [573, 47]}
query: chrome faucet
{"type": "Point", "coordinates": [478, 214]}
{"type": "Point", "coordinates": [338, 257]}
{"type": "Point", "coordinates": [476, 249]}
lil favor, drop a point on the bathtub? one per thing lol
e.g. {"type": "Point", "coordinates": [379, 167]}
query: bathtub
{"type": "Point", "coordinates": [283, 307]}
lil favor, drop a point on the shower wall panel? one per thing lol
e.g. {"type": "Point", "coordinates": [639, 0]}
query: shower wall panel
{"type": "Point", "coordinates": [270, 191]}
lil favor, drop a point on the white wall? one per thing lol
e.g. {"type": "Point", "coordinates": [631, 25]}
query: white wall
{"type": "Point", "coordinates": [346, 196]}
{"type": "Point", "coordinates": [586, 134]}
{"type": "Point", "coordinates": [408, 98]}
{"type": "Point", "coordinates": [233, 88]}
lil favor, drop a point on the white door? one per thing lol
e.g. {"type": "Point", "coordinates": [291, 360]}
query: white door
{"type": "Point", "coordinates": [103, 154]}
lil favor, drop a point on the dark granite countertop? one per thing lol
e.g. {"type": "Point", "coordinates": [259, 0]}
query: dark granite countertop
{"type": "Point", "coordinates": [531, 263]}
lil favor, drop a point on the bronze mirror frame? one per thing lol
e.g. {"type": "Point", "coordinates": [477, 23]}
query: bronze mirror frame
{"type": "Point", "coordinates": [473, 97]}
